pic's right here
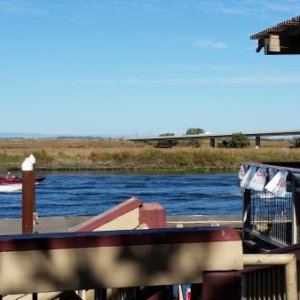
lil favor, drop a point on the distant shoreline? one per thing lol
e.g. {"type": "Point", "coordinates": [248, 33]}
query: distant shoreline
{"type": "Point", "coordinates": [109, 167]}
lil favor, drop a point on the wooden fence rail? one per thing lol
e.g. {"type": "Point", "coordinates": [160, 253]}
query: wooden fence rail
{"type": "Point", "coordinates": [114, 259]}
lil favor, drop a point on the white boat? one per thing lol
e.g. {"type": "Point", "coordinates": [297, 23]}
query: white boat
{"type": "Point", "coordinates": [10, 184]}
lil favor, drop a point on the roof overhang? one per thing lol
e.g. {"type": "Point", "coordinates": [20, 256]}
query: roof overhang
{"type": "Point", "coordinates": [283, 38]}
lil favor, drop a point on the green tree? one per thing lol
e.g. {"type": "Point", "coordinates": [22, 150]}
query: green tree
{"type": "Point", "coordinates": [166, 134]}
{"type": "Point", "coordinates": [194, 142]}
{"type": "Point", "coordinates": [238, 140]}
{"type": "Point", "coordinates": [166, 143]}
{"type": "Point", "coordinates": [295, 143]}
{"type": "Point", "coordinates": [191, 131]}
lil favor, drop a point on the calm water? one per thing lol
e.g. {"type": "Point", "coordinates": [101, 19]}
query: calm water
{"type": "Point", "coordinates": [92, 193]}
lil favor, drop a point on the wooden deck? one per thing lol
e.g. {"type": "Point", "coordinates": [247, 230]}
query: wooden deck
{"type": "Point", "coordinates": [65, 224]}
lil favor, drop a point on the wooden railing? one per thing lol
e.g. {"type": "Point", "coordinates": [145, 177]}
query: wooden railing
{"type": "Point", "coordinates": [99, 260]}
{"type": "Point", "coordinates": [145, 264]}
{"type": "Point", "coordinates": [277, 279]}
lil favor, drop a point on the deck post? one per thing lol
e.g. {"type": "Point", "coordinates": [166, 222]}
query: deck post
{"type": "Point", "coordinates": [196, 291]}
{"type": "Point", "coordinates": [28, 196]}
{"type": "Point", "coordinates": [34, 213]}
{"type": "Point", "coordinates": [221, 286]}
{"type": "Point", "coordinates": [100, 294]}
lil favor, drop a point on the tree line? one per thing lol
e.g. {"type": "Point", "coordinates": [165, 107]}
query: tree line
{"type": "Point", "coordinates": [237, 140]}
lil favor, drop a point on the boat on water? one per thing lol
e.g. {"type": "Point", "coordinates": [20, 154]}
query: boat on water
{"type": "Point", "coordinates": [10, 183]}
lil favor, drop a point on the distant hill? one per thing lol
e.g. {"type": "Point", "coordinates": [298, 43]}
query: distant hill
{"type": "Point", "coordinates": [23, 135]}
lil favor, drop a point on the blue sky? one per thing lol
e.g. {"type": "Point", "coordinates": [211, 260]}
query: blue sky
{"type": "Point", "coordinates": [144, 67]}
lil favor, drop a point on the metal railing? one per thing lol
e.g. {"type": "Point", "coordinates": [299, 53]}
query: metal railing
{"type": "Point", "coordinates": [270, 218]}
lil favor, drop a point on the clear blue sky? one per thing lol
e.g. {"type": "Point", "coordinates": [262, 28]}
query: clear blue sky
{"type": "Point", "coordinates": [140, 67]}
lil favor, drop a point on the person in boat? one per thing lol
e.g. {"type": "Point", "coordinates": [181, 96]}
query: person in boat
{"type": "Point", "coordinates": [9, 176]}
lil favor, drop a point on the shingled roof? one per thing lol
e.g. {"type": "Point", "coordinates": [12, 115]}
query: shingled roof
{"type": "Point", "coordinates": [283, 38]}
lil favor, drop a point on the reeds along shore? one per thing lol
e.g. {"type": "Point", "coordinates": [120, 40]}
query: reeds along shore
{"type": "Point", "coordinates": [118, 154]}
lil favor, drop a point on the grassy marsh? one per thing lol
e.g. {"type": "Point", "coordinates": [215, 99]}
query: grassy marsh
{"type": "Point", "coordinates": [99, 154]}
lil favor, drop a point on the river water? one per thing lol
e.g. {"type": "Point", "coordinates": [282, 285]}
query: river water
{"type": "Point", "coordinates": [91, 193]}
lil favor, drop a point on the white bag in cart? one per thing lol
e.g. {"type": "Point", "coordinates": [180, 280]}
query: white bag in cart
{"type": "Point", "coordinates": [242, 172]}
{"type": "Point", "coordinates": [258, 181]}
{"type": "Point", "coordinates": [277, 185]}
{"type": "Point", "coordinates": [272, 173]}
{"type": "Point", "coordinates": [247, 178]}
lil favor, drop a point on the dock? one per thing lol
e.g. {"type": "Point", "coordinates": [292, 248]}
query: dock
{"type": "Point", "coordinates": [234, 221]}
{"type": "Point", "coordinates": [66, 223]}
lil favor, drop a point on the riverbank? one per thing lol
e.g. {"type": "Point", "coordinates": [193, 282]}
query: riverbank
{"type": "Point", "coordinates": [123, 155]}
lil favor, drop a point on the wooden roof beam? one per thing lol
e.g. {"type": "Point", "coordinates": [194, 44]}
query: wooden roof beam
{"type": "Point", "coordinates": [283, 38]}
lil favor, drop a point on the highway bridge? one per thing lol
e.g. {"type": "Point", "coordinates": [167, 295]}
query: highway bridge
{"type": "Point", "coordinates": [212, 137]}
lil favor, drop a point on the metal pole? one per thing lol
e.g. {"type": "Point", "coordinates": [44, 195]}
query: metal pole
{"type": "Point", "coordinates": [212, 143]}
{"type": "Point", "coordinates": [28, 196]}
{"type": "Point", "coordinates": [246, 213]}
{"type": "Point", "coordinates": [295, 208]}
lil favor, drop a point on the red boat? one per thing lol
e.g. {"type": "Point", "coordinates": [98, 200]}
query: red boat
{"type": "Point", "coordinates": [9, 183]}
